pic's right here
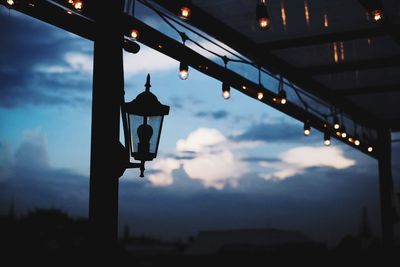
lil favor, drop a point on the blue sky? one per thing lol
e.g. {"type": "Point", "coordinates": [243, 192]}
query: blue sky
{"type": "Point", "coordinates": [249, 166]}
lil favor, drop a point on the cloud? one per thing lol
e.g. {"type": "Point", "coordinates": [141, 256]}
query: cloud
{"type": "Point", "coordinates": [219, 114]}
{"type": "Point", "coordinates": [295, 161]}
{"type": "Point", "coordinates": [29, 179]}
{"type": "Point", "coordinates": [163, 177]}
{"type": "Point", "coordinates": [205, 155]}
{"type": "Point", "coordinates": [272, 132]}
{"type": "Point", "coordinates": [45, 72]}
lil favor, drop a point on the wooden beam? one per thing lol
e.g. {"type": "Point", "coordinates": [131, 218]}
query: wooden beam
{"type": "Point", "coordinates": [324, 38]}
{"type": "Point", "coordinates": [380, 89]}
{"type": "Point", "coordinates": [353, 65]}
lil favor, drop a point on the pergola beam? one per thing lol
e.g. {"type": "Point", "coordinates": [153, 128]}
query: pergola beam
{"type": "Point", "coordinates": [353, 65]}
{"type": "Point", "coordinates": [369, 90]}
{"type": "Point", "coordinates": [324, 38]}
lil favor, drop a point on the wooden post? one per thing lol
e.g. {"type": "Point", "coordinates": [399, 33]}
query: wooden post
{"type": "Point", "coordinates": [386, 186]}
{"type": "Point", "coordinates": [108, 82]}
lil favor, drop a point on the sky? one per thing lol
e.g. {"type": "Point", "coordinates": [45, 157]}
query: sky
{"type": "Point", "coordinates": [222, 164]}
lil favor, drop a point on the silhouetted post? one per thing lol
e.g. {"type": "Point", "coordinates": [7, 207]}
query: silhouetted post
{"type": "Point", "coordinates": [107, 95]}
{"type": "Point", "coordinates": [386, 186]}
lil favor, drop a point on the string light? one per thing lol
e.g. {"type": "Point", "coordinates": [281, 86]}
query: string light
{"type": "Point", "coordinates": [335, 53]}
{"type": "Point", "coordinates": [134, 34]}
{"type": "Point", "coordinates": [260, 95]}
{"type": "Point", "coordinates": [263, 20]}
{"type": "Point", "coordinates": [344, 134]}
{"type": "Point", "coordinates": [327, 136]}
{"type": "Point", "coordinates": [226, 90]}
{"type": "Point", "coordinates": [185, 11]}
{"type": "Point", "coordinates": [336, 124]}
{"type": "Point", "coordinates": [370, 148]}
{"type": "Point", "coordinates": [283, 15]}
{"type": "Point", "coordinates": [281, 98]}
{"type": "Point", "coordinates": [307, 128]}
{"type": "Point", "coordinates": [306, 13]}
{"type": "Point", "coordinates": [356, 140]}
{"type": "Point", "coordinates": [377, 15]}
{"type": "Point", "coordinates": [78, 5]}
{"type": "Point", "coordinates": [183, 71]}
{"type": "Point", "coordinates": [326, 22]}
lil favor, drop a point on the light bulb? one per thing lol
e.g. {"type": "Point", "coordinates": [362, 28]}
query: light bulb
{"type": "Point", "coordinates": [327, 138]}
{"type": "Point", "coordinates": [226, 90]}
{"type": "Point", "coordinates": [78, 5]}
{"type": "Point", "coordinates": [336, 124]}
{"type": "Point", "coordinates": [376, 15]}
{"type": "Point", "coordinates": [307, 128]}
{"type": "Point", "coordinates": [183, 71]}
{"type": "Point", "coordinates": [10, 2]}
{"type": "Point", "coordinates": [344, 134]}
{"type": "Point", "coordinates": [357, 142]}
{"type": "Point", "coordinates": [260, 95]}
{"type": "Point", "coordinates": [283, 101]}
{"type": "Point", "coordinates": [184, 12]}
{"type": "Point", "coordinates": [134, 34]}
{"type": "Point", "coordinates": [262, 16]}
{"type": "Point", "coordinates": [370, 149]}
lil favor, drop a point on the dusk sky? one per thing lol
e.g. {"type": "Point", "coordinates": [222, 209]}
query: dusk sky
{"type": "Point", "coordinates": [249, 165]}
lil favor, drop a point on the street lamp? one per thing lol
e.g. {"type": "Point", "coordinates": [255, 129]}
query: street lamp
{"type": "Point", "coordinates": [142, 120]}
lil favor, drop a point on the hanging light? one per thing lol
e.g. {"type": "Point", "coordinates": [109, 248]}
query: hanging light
{"type": "Point", "coordinates": [262, 17]}
{"type": "Point", "coordinates": [282, 97]}
{"type": "Point", "coordinates": [327, 137]}
{"type": "Point", "coordinates": [185, 10]}
{"type": "Point", "coordinates": [307, 128]}
{"type": "Point", "coordinates": [134, 34]}
{"type": "Point", "coordinates": [356, 140]}
{"type": "Point", "coordinates": [226, 90]}
{"type": "Point", "coordinates": [377, 15]}
{"type": "Point", "coordinates": [183, 71]}
{"type": "Point", "coordinates": [344, 134]}
{"type": "Point", "coordinates": [336, 124]}
{"type": "Point", "coordinates": [78, 5]}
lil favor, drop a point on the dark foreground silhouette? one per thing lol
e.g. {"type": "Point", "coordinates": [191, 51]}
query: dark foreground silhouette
{"type": "Point", "coordinates": [51, 237]}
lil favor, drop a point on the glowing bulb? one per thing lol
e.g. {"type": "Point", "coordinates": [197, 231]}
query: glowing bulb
{"type": "Point", "coordinates": [326, 22]}
{"type": "Point", "coordinates": [78, 5]}
{"type": "Point", "coordinates": [263, 23]}
{"type": "Point", "coordinates": [307, 128]}
{"type": "Point", "coordinates": [376, 15]}
{"type": "Point", "coordinates": [283, 16]}
{"type": "Point", "coordinates": [370, 149]}
{"type": "Point", "coordinates": [262, 16]}
{"type": "Point", "coordinates": [184, 12]}
{"type": "Point", "coordinates": [260, 95]}
{"type": "Point", "coordinates": [327, 142]}
{"type": "Point", "coordinates": [335, 53]}
{"type": "Point", "coordinates": [350, 139]}
{"type": "Point", "coordinates": [344, 134]}
{"type": "Point", "coordinates": [10, 2]}
{"type": "Point", "coordinates": [134, 34]}
{"type": "Point", "coordinates": [283, 101]}
{"type": "Point", "coordinates": [336, 124]}
{"type": "Point", "coordinates": [327, 138]}
{"type": "Point", "coordinates": [306, 13]}
{"type": "Point", "coordinates": [282, 97]}
{"type": "Point", "coordinates": [71, 2]}
{"type": "Point", "coordinates": [226, 90]}
{"type": "Point", "coordinates": [183, 71]}
{"type": "Point", "coordinates": [357, 142]}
